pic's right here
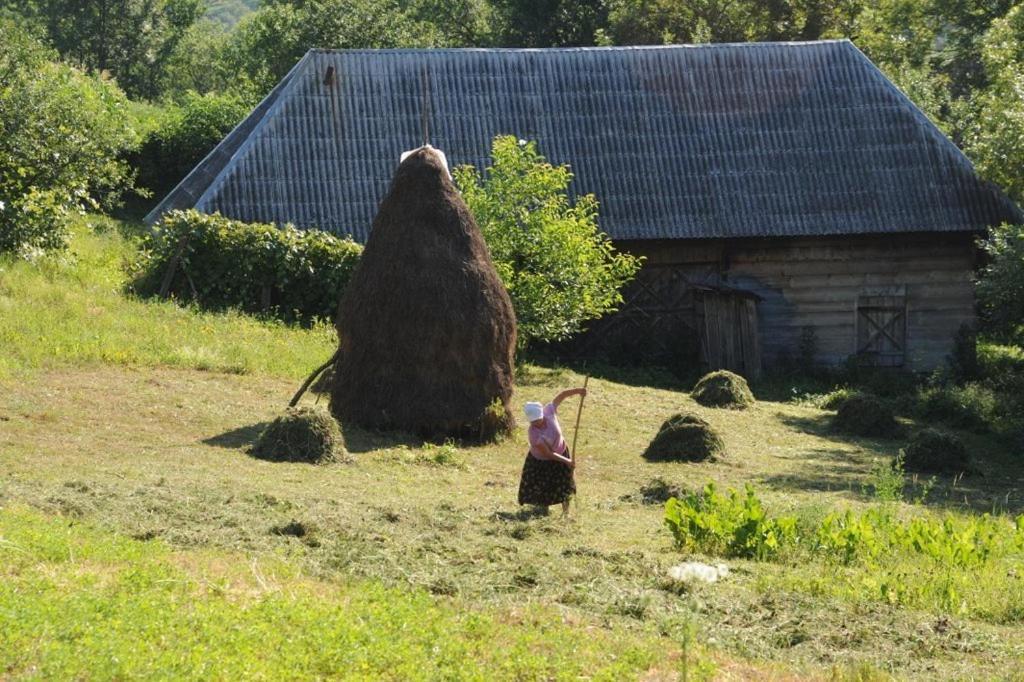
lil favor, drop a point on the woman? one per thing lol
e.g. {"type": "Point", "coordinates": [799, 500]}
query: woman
{"type": "Point", "coordinates": [548, 470]}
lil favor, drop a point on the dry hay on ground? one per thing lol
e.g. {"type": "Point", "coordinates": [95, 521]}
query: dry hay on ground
{"type": "Point", "coordinates": [427, 330]}
{"type": "Point", "coordinates": [723, 389]}
{"type": "Point", "coordinates": [865, 415]}
{"type": "Point", "coordinates": [301, 434]}
{"type": "Point", "coordinates": [685, 438]}
{"type": "Point", "coordinates": [934, 451]}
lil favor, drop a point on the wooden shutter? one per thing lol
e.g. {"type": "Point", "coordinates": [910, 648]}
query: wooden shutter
{"type": "Point", "coordinates": [882, 329]}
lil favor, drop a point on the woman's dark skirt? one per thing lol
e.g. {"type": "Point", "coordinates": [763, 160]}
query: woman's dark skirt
{"type": "Point", "coordinates": [546, 482]}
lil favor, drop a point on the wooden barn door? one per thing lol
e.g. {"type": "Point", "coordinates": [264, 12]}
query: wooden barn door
{"type": "Point", "coordinates": [730, 334]}
{"type": "Point", "coordinates": [882, 329]}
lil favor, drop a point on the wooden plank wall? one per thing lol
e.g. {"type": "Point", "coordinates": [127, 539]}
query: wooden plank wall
{"type": "Point", "coordinates": [816, 281]}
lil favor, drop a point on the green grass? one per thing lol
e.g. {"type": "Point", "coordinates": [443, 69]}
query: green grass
{"type": "Point", "coordinates": [77, 602]}
{"type": "Point", "coordinates": [68, 310]}
{"type": "Point", "coordinates": [133, 441]}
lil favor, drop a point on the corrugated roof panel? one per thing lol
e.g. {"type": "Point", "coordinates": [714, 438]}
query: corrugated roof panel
{"type": "Point", "coordinates": [758, 139]}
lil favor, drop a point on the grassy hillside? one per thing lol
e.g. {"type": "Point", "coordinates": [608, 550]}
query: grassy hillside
{"type": "Point", "coordinates": [230, 12]}
{"type": "Point", "coordinates": [124, 436]}
{"type": "Point", "coordinates": [69, 309]}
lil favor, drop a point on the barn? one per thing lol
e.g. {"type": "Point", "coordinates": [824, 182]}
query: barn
{"type": "Point", "coordinates": [790, 201]}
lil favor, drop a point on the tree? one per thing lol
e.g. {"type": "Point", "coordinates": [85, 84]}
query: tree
{"type": "Point", "coordinates": [200, 63]}
{"type": "Point", "coordinates": [187, 134]}
{"type": "Point", "coordinates": [1001, 283]}
{"type": "Point", "coordinates": [995, 139]}
{"type": "Point", "coordinates": [668, 21]}
{"type": "Point", "coordinates": [131, 39]}
{"type": "Point", "coordinates": [549, 23]}
{"type": "Point", "coordinates": [62, 135]}
{"type": "Point", "coordinates": [268, 43]}
{"type": "Point", "coordinates": [560, 270]}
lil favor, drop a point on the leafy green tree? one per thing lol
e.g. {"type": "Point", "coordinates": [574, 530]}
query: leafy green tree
{"type": "Point", "coordinates": [268, 43]}
{"type": "Point", "coordinates": [62, 135]}
{"type": "Point", "coordinates": [995, 140]}
{"type": "Point", "coordinates": [549, 23]}
{"type": "Point", "coordinates": [1001, 283]}
{"type": "Point", "coordinates": [668, 21]}
{"type": "Point", "coordinates": [131, 39]}
{"type": "Point", "coordinates": [187, 134]}
{"type": "Point", "coordinates": [560, 270]}
{"type": "Point", "coordinates": [200, 63]}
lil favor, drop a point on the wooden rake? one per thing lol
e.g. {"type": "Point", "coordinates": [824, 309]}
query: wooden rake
{"type": "Point", "coordinates": [575, 433]}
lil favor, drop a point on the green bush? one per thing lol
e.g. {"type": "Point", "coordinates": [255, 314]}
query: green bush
{"type": "Point", "coordinates": [835, 399]}
{"type": "Point", "coordinates": [865, 415]}
{"type": "Point", "coordinates": [296, 275]}
{"type": "Point", "coordinates": [886, 382]}
{"type": "Point", "coordinates": [934, 451]}
{"type": "Point", "coordinates": [1001, 283]}
{"type": "Point", "coordinates": [723, 389]}
{"type": "Point", "coordinates": [686, 438]}
{"type": "Point", "coordinates": [62, 137]}
{"type": "Point", "coordinates": [972, 407]}
{"type": "Point", "coordinates": [876, 534]}
{"type": "Point", "coordinates": [301, 434]}
{"type": "Point", "coordinates": [732, 525]}
{"type": "Point", "coordinates": [559, 269]}
{"type": "Point", "coordinates": [186, 134]}
{"type": "Point", "coordinates": [1002, 367]}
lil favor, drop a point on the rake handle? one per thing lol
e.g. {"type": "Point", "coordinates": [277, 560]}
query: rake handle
{"type": "Point", "coordinates": [579, 413]}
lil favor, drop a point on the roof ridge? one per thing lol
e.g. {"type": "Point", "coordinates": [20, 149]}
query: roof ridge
{"type": "Point", "coordinates": [594, 48]}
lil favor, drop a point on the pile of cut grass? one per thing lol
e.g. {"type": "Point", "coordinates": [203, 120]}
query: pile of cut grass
{"type": "Point", "coordinates": [723, 389]}
{"type": "Point", "coordinates": [685, 438]}
{"type": "Point", "coordinates": [931, 450]}
{"type": "Point", "coordinates": [302, 434]}
{"type": "Point", "coordinates": [866, 415]}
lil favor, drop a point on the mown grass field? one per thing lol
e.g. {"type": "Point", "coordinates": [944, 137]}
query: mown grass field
{"type": "Point", "coordinates": [130, 505]}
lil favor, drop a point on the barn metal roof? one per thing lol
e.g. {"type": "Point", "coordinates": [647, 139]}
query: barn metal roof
{"type": "Point", "coordinates": [725, 140]}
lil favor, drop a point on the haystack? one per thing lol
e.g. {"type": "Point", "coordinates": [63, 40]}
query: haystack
{"type": "Point", "coordinates": [301, 434]}
{"type": "Point", "coordinates": [865, 415]}
{"type": "Point", "coordinates": [723, 389]}
{"type": "Point", "coordinates": [426, 328]}
{"type": "Point", "coordinates": [934, 451]}
{"type": "Point", "coordinates": [685, 438]}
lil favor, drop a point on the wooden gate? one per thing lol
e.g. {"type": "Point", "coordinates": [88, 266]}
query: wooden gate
{"type": "Point", "coordinates": [882, 329]}
{"type": "Point", "coordinates": [730, 333]}
{"type": "Point", "coordinates": [655, 323]}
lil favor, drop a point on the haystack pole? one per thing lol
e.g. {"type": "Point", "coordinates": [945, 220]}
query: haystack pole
{"type": "Point", "coordinates": [426, 328]}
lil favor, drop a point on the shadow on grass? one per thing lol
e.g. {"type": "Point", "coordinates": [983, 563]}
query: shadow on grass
{"type": "Point", "coordinates": [821, 425]}
{"type": "Point", "coordinates": [648, 376]}
{"type": "Point", "coordinates": [243, 436]}
{"type": "Point", "coordinates": [823, 470]}
{"type": "Point", "coordinates": [994, 484]}
{"type": "Point", "coordinates": [358, 439]}
{"type": "Point", "coordinates": [526, 513]}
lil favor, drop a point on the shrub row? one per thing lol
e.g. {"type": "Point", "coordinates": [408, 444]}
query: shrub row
{"type": "Point", "coordinates": [736, 525]}
{"type": "Point", "coordinates": [218, 263]}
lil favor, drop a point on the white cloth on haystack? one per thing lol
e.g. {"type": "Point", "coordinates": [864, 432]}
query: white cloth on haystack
{"type": "Point", "coordinates": [438, 152]}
